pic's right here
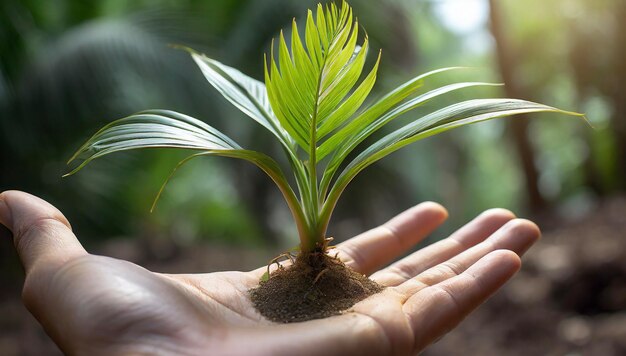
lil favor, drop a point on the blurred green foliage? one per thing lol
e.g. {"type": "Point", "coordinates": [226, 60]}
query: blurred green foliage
{"type": "Point", "coordinates": [67, 67]}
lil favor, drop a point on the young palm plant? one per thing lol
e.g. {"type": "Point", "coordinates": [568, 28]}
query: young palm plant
{"type": "Point", "coordinates": [313, 103]}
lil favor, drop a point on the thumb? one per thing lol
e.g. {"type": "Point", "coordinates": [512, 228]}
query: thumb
{"type": "Point", "coordinates": [41, 234]}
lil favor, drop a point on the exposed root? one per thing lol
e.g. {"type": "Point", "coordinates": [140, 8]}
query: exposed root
{"type": "Point", "coordinates": [278, 265]}
{"type": "Point", "coordinates": [315, 286]}
{"type": "Point", "coordinates": [320, 275]}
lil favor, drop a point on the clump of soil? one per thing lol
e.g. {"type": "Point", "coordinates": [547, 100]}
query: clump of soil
{"type": "Point", "coordinates": [315, 286]}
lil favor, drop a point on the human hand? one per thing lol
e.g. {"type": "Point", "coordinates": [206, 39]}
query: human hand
{"type": "Point", "coordinates": [92, 304]}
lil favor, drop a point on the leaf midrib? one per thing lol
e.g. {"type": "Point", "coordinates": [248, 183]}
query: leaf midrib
{"type": "Point", "coordinates": [313, 138]}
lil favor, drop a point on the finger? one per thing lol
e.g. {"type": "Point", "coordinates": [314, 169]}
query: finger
{"type": "Point", "coordinates": [436, 310]}
{"type": "Point", "coordinates": [469, 235]}
{"type": "Point", "coordinates": [40, 232]}
{"type": "Point", "coordinates": [368, 251]}
{"type": "Point", "coordinates": [516, 235]}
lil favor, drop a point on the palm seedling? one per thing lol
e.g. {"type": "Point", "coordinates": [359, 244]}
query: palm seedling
{"type": "Point", "coordinates": [313, 103]}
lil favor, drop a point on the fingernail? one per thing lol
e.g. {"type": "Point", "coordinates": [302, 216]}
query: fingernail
{"type": "Point", "coordinates": [5, 215]}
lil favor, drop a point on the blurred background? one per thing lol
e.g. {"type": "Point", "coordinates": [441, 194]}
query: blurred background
{"type": "Point", "coordinates": [68, 67]}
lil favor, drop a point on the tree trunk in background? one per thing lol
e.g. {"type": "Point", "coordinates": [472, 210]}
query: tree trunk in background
{"type": "Point", "coordinates": [618, 96]}
{"type": "Point", "coordinates": [518, 127]}
{"type": "Point", "coordinates": [580, 59]}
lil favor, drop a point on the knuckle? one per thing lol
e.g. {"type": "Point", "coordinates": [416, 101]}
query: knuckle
{"type": "Point", "coordinates": [37, 227]}
{"type": "Point", "coordinates": [433, 275]}
{"type": "Point", "coordinates": [405, 272]}
{"type": "Point", "coordinates": [445, 270]}
{"type": "Point", "coordinates": [391, 232]}
{"type": "Point", "coordinates": [444, 293]}
{"type": "Point", "coordinates": [452, 268]}
{"type": "Point", "coordinates": [31, 291]}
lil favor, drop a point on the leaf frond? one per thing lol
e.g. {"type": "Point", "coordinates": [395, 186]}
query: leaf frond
{"type": "Point", "coordinates": [312, 84]}
{"type": "Point", "coordinates": [163, 128]}
{"type": "Point", "coordinates": [450, 117]}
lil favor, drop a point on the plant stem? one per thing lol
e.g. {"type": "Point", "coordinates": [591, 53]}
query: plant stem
{"type": "Point", "coordinates": [314, 207]}
{"type": "Point", "coordinates": [317, 237]}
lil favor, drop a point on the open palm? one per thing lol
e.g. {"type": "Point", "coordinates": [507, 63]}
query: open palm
{"type": "Point", "coordinates": [98, 305]}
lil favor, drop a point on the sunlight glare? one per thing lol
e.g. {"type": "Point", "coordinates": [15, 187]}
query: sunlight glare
{"type": "Point", "coordinates": [462, 16]}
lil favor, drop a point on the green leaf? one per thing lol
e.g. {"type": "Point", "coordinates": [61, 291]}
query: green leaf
{"type": "Point", "coordinates": [347, 134]}
{"type": "Point", "coordinates": [154, 128]}
{"type": "Point", "coordinates": [343, 149]}
{"type": "Point", "coordinates": [251, 97]}
{"type": "Point", "coordinates": [313, 90]}
{"type": "Point", "coordinates": [162, 128]}
{"type": "Point", "coordinates": [245, 93]}
{"type": "Point", "coordinates": [453, 116]}
{"type": "Point", "coordinates": [350, 105]}
{"type": "Point", "coordinates": [311, 101]}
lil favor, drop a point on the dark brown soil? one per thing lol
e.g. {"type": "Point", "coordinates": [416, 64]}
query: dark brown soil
{"type": "Point", "coordinates": [315, 286]}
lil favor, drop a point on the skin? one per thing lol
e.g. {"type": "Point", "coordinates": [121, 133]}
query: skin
{"type": "Point", "coordinates": [98, 305]}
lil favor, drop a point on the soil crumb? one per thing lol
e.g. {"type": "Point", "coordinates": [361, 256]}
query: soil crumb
{"type": "Point", "coordinates": [316, 286]}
